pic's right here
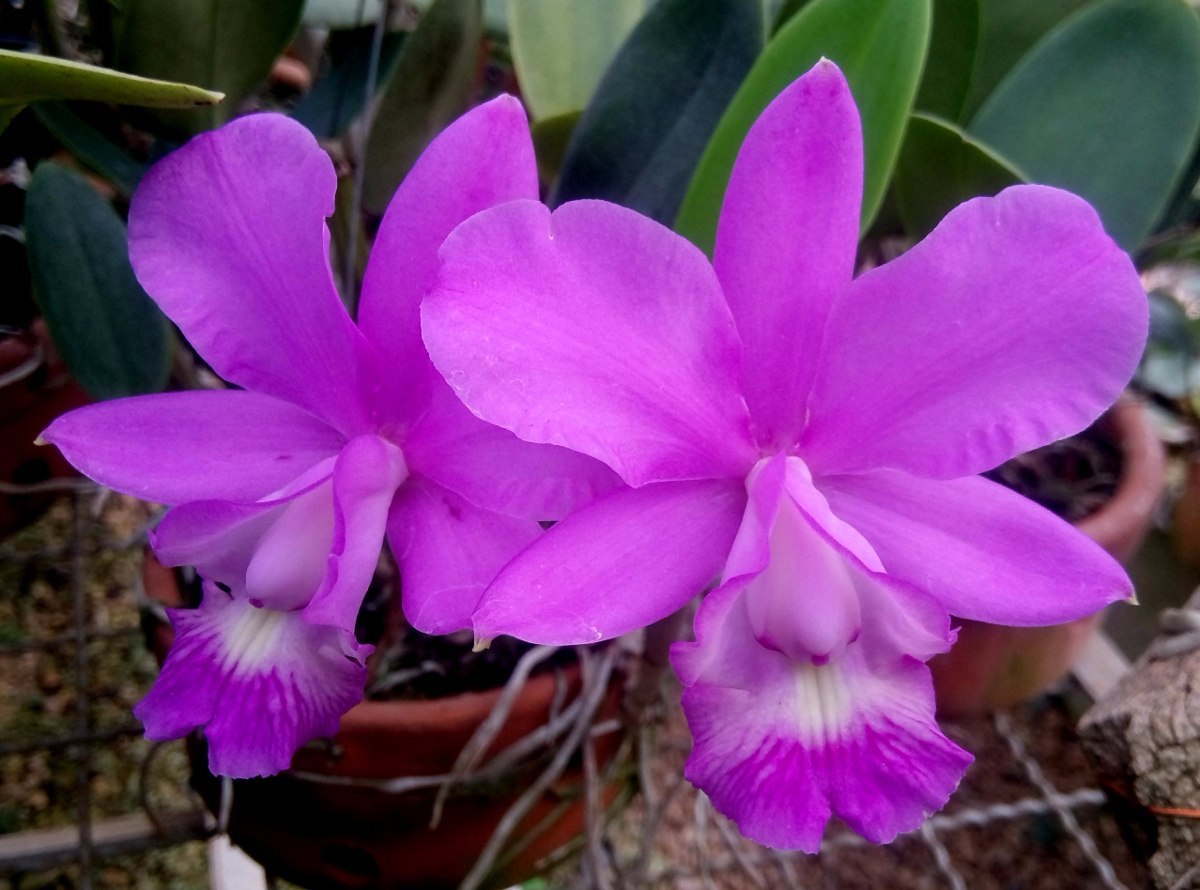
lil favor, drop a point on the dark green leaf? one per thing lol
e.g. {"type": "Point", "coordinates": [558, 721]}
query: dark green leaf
{"type": "Point", "coordinates": [430, 87]}
{"type": "Point", "coordinates": [939, 167]}
{"type": "Point", "coordinates": [1008, 29]}
{"type": "Point", "coordinates": [879, 45]}
{"type": "Point", "coordinates": [25, 77]}
{"type": "Point", "coordinates": [89, 145]}
{"type": "Point", "coordinates": [644, 130]}
{"type": "Point", "coordinates": [338, 97]}
{"type": "Point", "coordinates": [1108, 106]}
{"type": "Point", "coordinates": [226, 45]}
{"type": "Point", "coordinates": [952, 46]}
{"type": "Point", "coordinates": [550, 138]}
{"type": "Point", "coordinates": [111, 335]}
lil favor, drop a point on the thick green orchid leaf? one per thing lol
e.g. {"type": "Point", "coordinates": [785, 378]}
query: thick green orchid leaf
{"type": "Point", "coordinates": [226, 45]}
{"type": "Point", "coordinates": [1008, 29]}
{"type": "Point", "coordinates": [430, 87]}
{"type": "Point", "coordinates": [561, 48]}
{"type": "Point", "coordinates": [952, 50]}
{"type": "Point", "coordinates": [90, 146]}
{"type": "Point", "coordinates": [551, 136]}
{"type": "Point", "coordinates": [1107, 106]}
{"type": "Point", "coordinates": [880, 46]}
{"type": "Point", "coordinates": [644, 130]}
{"type": "Point", "coordinates": [939, 167]}
{"type": "Point", "coordinates": [339, 97]}
{"type": "Point", "coordinates": [27, 77]}
{"type": "Point", "coordinates": [112, 337]}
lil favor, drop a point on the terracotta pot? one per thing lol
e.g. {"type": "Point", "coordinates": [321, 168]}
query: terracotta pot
{"type": "Point", "coordinates": [992, 666]}
{"type": "Point", "coordinates": [322, 835]}
{"type": "Point", "coordinates": [34, 389]}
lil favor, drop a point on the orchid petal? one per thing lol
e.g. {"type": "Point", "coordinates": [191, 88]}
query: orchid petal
{"type": "Point", "coordinates": [259, 682]}
{"type": "Point", "coordinates": [449, 551]}
{"type": "Point", "coordinates": [189, 446]}
{"type": "Point", "coordinates": [786, 241]}
{"type": "Point", "coordinates": [982, 551]}
{"type": "Point", "coordinates": [620, 563]}
{"type": "Point", "coordinates": [1013, 324]}
{"type": "Point", "coordinates": [495, 470]}
{"type": "Point", "coordinates": [780, 746]}
{"type": "Point", "coordinates": [627, 354]}
{"type": "Point", "coordinates": [483, 159]}
{"type": "Point", "coordinates": [228, 236]}
{"type": "Point", "coordinates": [365, 479]}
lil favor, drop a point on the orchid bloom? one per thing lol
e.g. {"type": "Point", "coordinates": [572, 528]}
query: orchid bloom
{"type": "Point", "coordinates": [283, 491]}
{"type": "Point", "coordinates": [811, 439]}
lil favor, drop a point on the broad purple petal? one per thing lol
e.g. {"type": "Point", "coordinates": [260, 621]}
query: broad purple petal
{"type": "Point", "coordinates": [228, 236]}
{"type": "Point", "coordinates": [1013, 324]}
{"type": "Point", "coordinates": [449, 550]}
{"type": "Point", "coordinates": [780, 746]}
{"type": "Point", "coordinates": [620, 563]}
{"type": "Point", "coordinates": [189, 446]}
{"type": "Point", "coordinates": [483, 159]}
{"type": "Point", "coordinates": [259, 682]}
{"type": "Point", "coordinates": [595, 329]}
{"type": "Point", "coordinates": [786, 241]}
{"type": "Point", "coordinates": [982, 551]}
{"type": "Point", "coordinates": [492, 468]}
{"type": "Point", "coordinates": [365, 479]}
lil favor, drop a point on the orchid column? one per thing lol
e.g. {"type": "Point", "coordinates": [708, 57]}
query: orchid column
{"type": "Point", "coordinates": [808, 440]}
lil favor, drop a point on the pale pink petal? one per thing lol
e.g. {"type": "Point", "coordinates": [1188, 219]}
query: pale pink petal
{"type": "Point", "coordinates": [781, 746]}
{"type": "Point", "coordinates": [595, 329]}
{"type": "Point", "coordinates": [259, 682]}
{"type": "Point", "coordinates": [786, 241]}
{"type": "Point", "coordinates": [1013, 324]}
{"type": "Point", "coordinates": [981, 550]}
{"type": "Point", "coordinates": [188, 446]}
{"type": "Point", "coordinates": [228, 236]}
{"type": "Point", "coordinates": [449, 550]}
{"type": "Point", "coordinates": [482, 159]}
{"type": "Point", "coordinates": [365, 479]}
{"type": "Point", "coordinates": [620, 563]}
{"type": "Point", "coordinates": [492, 468]}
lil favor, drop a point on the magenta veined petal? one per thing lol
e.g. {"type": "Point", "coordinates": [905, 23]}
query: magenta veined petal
{"type": "Point", "coordinates": [982, 551]}
{"type": "Point", "coordinates": [449, 550]}
{"type": "Point", "coordinates": [496, 471]}
{"type": "Point", "coordinates": [1013, 324]}
{"type": "Point", "coordinates": [595, 329]}
{"type": "Point", "coordinates": [191, 446]}
{"type": "Point", "coordinates": [482, 159]}
{"type": "Point", "coordinates": [259, 682]}
{"type": "Point", "coordinates": [228, 235]}
{"type": "Point", "coordinates": [622, 562]}
{"type": "Point", "coordinates": [786, 241]}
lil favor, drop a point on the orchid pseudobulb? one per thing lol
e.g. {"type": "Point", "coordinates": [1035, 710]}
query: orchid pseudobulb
{"type": "Point", "coordinates": [283, 491]}
{"type": "Point", "coordinates": [809, 439]}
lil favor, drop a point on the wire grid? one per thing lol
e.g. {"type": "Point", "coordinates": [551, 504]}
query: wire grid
{"type": "Point", "coordinates": [1027, 815]}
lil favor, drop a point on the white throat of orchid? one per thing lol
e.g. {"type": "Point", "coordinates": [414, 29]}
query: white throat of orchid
{"type": "Point", "coordinates": [805, 604]}
{"type": "Point", "coordinates": [250, 636]}
{"type": "Point", "coordinates": [824, 702]}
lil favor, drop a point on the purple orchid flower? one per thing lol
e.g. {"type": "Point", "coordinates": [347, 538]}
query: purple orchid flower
{"type": "Point", "coordinates": [811, 439]}
{"type": "Point", "coordinates": [284, 490]}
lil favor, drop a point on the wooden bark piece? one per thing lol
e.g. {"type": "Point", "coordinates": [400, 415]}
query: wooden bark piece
{"type": "Point", "coordinates": [1144, 738]}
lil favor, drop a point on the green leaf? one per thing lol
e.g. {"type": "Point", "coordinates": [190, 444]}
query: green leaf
{"type": "Point", "coordinates": [226, 45]}
{"type": "Point", "coordinates": [1008, 29]}
{"type": "Point", "coordinates": [90, 146]}
{"type": "Point", "coordinates": [550, 138]}
{"type": "Point", "coordinates": [430, 87]}
{"type": "Point", "coordinates": [112, 337]}
{"type": "Point", "coordinates": [1108, 106]}
{"type": "Point", "coordinates": [939, 167]}
{"type": "Point", "coordinates": [879, 45]}
{"type": "Point", "coordinates": [952, 47]}
{"type": "Point", "coordinates": [25, 77]}
{"type": "Point", "coordinates": [561, 48]}
{"type": "Point", "coordinates": [338, 97]}
{"type": "Point", "coordinates": [644, 130]}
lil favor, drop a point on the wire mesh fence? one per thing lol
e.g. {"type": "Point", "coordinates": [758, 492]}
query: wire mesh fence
{"type": "Point", "coordinates": [85, 801]}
